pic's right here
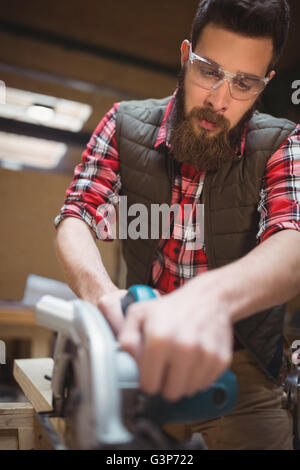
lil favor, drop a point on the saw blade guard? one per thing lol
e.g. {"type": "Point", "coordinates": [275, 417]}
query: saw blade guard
{"type": "Point", "coordinates": [94, 361]}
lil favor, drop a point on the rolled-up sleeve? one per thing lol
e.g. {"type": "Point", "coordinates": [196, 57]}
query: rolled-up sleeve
{"type": "Point", "coordinates": [94, 192]}
{"type": "Point", "coordinates": [279, 205]}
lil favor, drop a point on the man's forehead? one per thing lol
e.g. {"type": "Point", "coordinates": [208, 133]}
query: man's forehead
{"type": "Point", "coordinates": [234, 51]}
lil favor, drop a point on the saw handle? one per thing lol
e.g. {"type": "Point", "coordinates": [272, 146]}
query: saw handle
{"type": "Point", "coordinates": [137, 293]}
{"type": "Point", "coordinates": [219, 399]}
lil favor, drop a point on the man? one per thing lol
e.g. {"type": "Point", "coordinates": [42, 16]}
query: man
{"type": "Point", "coordinates": [205, 145]}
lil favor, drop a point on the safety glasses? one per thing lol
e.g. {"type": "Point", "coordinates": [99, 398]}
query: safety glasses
{"type": "Point", "coordinates": [210, 76]}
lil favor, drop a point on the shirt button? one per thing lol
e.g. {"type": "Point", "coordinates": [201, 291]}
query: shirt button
{"type": "Point", "coordinates": [176, 250]}
{"type": "Point", "coordinates": [176, 283]}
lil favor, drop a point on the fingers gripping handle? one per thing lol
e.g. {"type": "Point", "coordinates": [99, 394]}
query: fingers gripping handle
{"type": "Point", "coordinates": [219, 399]}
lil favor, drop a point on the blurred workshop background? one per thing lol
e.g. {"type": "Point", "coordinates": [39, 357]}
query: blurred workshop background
{"type": "Point", "coordinates": [63, 63]}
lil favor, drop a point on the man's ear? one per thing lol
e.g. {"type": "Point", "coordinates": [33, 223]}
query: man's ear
{"type": "Point", "coordinates": [185, 49]}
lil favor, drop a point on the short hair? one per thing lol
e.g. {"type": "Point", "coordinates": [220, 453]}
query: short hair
{"type": "Point", "coordinates": [253, 18]}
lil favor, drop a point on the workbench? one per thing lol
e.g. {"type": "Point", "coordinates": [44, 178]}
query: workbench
{"type": "Point", "coordinates": [19, 425]}
{"type": "Point", "coordinates": [18, 322]}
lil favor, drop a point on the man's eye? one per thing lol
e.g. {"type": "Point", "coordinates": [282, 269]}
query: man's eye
{"type": "Point", "coordinates": [243, 85]}
{"type": "Point", "coordinates": [208, 71]}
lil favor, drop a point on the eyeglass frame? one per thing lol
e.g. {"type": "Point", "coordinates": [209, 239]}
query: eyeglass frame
{"type": "Point", "coordinates": [228, 76]}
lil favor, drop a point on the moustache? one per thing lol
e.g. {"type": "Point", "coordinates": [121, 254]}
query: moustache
{"type": "Point", "coordinates": [209, 115]}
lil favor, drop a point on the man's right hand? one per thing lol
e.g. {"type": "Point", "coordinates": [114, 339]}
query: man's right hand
{"type": "Point", "coordinates": [110, 305]}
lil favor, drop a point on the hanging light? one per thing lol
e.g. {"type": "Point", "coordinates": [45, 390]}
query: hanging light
{"type": "Point", "coordinates": [41, 112]}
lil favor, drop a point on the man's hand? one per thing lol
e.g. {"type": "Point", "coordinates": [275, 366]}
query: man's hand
{"type": "Point", "coordinates": [182, 342]}
{"type": "Point", "coordinates": [110, 305]}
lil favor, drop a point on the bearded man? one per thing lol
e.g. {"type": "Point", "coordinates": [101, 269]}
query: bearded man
{"type": "Point", "coordinates": [222, 304]}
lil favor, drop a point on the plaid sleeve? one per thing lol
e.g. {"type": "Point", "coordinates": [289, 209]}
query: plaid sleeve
{"type": "Point", "coordinates": [94, 191]}
{"type": "Point", "coordinates": [279, 205]}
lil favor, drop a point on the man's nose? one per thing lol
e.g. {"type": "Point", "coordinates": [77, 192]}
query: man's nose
{"type": "Point", "coordinates": [219, 98]}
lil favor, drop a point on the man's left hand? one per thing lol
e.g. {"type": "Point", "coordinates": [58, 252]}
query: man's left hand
{"type": "Point", "coordinates": [182, 342]}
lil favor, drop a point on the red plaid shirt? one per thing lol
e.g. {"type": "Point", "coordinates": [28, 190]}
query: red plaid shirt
{"type": "Point", "coordinates": [97, 181]}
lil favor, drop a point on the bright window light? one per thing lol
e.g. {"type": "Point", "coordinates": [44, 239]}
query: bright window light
{"type": "Point", "coordinates": [44, 110]}
{"type": "Point", "coordinates": [17, 151]}
{"type": "Point", "coordinates": [41, 113]}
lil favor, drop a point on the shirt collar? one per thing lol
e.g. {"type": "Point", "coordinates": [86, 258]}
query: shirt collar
{"type": "Point", "coordinates": [163, 137]}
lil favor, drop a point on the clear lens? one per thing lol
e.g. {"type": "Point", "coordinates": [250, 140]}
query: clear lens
{"type": "Point", "coordinates": [246, 87]}
{"type": "Point", "coordinates": [208, 76]}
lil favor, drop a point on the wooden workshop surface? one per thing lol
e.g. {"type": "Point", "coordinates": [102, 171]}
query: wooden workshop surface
{"type": "Point", "coordinates": [20, 428]}
{"type": "Point", "coordinates": [16, 426]}
{"type": "Point", "coordinates": [15, 315]}
{"type": "Point", "coordinates": [30, 375]}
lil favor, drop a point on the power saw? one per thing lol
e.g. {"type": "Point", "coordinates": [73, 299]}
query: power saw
{"type": "Point", "coordinates": [95, 385]}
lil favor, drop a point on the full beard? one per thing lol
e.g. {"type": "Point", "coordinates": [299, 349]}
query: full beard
{"type": "Point", "coordinates": [192, 144]}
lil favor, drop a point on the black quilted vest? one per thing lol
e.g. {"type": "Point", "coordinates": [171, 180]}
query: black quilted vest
{"type": "Point", "coordinates": [230, 195]}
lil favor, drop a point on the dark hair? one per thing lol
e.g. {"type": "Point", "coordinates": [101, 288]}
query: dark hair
{"type": "Point", "coordinates": [253, 18]}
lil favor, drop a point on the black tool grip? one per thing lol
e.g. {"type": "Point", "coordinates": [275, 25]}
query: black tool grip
{"type": "Point", "coordinates": [126, 301]}
{"type": "Point", "coordinates": [137, 293]}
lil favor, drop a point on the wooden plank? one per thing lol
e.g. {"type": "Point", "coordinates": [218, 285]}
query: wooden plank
{"type": "Point", "coordinates": [17, 316]}
{"type": "Point", "coordinates": [16, 408]}
{"type": "Point", "coordinates": [41, 440]}
{"type": "Point", "coordinates": [16, 415]}
{"type": "Point", "coordinates": [9, 439]}
{"type": "Point", "coordinates": [16, 426]}
{"type": "Point", "coordinates": [16, 421]}
{"type": "Point", "coordinates": [26, 438]}
{"type": "Point", "coordinates": [23, 331]}
{"type": "Point", "coordinates": [20, 428]}
{"type": "Point", "coordinates": [30, 375]}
